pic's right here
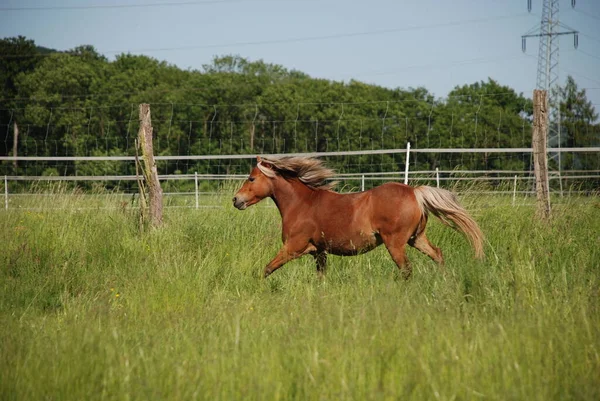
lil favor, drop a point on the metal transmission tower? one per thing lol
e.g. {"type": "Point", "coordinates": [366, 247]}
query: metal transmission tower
{"type": "Point", "coordinates": [549, 31]}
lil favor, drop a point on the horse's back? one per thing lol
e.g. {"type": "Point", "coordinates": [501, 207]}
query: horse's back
{"type": "Point", "coordinates": [390, 203]}
{"type": "Point", "coordinates": [391, 195]}
{"type": "Point", "coordinates": [393, 189]}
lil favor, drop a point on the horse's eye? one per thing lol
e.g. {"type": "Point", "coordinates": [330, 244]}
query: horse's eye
{"type": "Point", "coordinates": [251, 179]}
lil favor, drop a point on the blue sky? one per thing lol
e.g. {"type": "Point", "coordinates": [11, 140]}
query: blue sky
{"type": "Point", "coordinates": [434, 44]}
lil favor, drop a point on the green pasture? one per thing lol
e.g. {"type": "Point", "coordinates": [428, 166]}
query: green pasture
{"type": "Point", "coordinates": [93, 309]}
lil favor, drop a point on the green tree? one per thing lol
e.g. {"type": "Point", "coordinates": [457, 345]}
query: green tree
{"type": "Point", "coordinates": [577, 128]}
{"type": "Point", "coordinates": [79, 103]}
{"type": "Point", "coordinates": [486, 115]}
{"type": "Point", "coordinates": [58, 88]}
{"type": "Point", "coordinates": [18, 55]}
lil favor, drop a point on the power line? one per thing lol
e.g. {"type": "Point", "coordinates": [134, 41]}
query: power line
{"type": "Point", "coordinates": [117, 6]}
{"type": "Point", "coordinates": [443, 64]}
{"type": "Point", "coordinates": [303, 39]}
{"type": "Point", "coordinates": [337, 35]}
{"type": "Point", "coordinates": [589, 55]}
{"type": "Point", "coordinates": [590, 37]}
{"type": "Point", "coordinates": [587, 14]}
{"type": "Point", "coordinates": [583, 76]}
{"type": "Point", "coordinates": [577, 73]}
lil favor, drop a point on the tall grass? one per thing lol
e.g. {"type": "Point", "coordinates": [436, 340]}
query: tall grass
{"type": "Point", "coordinates": [90, 308]}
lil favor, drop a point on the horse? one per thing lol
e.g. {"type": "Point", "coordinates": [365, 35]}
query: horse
{"type": "Point", "coordinates": [319, 221]}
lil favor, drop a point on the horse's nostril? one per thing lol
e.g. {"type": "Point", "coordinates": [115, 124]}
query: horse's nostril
{"type": "Point", "coordinates": [234, 199]}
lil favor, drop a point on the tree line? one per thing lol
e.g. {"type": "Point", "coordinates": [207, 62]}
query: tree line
{"type": "Point", "coordinates": [78, 103]}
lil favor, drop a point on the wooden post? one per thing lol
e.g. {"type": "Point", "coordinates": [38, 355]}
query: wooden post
{"type": "Point", "coordinates": [540, 158]}
{"type": "Point", "coordinates": [196, 187]}
{"type": "Point", "coordinates": [150, 170]}
{"type": "Point", "coordinates": [407, 161]}
{"type": "Point", "coordinates": [252, 131]}
{"type": "Point", "coordinates": [141, 187]}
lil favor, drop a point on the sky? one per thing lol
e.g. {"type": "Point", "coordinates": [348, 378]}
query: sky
{"type": "Point", "coordinates": [436, 44]}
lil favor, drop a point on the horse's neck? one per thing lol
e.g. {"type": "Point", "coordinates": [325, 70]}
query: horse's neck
{"type": "Point", "coordinates": [289, 194]}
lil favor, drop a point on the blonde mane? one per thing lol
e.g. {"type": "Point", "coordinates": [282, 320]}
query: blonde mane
{"type": "Point", "coordinates": [308, 170]}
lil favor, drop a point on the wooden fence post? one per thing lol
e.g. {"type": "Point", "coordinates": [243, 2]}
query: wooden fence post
{"type": "Point", "coordinates": [407, 163]}
{"type": "Point", "coordinates": [196, 187]}
{"type": "Point", "coordinates": [540, 157]}
{"type": "Point", "coordinates": [150, 171]}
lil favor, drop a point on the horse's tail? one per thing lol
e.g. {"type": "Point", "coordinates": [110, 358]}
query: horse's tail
{"type": "Point", "coordinates": [444, 205]}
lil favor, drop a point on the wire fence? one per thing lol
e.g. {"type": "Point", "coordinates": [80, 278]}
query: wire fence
{"type": "Point", "coordinates": [372, 128]}
{"type": "Point", "coordinates": [209, 190]}
{"type": "Point", "coordinates": [456, 142]}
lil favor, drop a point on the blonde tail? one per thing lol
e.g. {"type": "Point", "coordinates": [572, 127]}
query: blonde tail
{"type": "Point", "coordinates": [444, 205]}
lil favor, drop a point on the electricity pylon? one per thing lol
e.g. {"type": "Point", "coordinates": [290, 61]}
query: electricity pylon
{"type": "Point", "coordinates": [549, 31]}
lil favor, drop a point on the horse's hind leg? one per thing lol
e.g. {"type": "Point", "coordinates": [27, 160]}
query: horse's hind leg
{"type": "Point", "coordinates": [397, 249]}
{"type": "Point", "coordinates": [421, 243]}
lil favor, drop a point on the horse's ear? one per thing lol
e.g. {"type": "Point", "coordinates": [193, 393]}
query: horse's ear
{"type": "Point", "coordinates": [264, 163]}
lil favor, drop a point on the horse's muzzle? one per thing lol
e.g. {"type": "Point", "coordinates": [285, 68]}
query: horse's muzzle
{"type": "Point", "coordinates": [239, 204]}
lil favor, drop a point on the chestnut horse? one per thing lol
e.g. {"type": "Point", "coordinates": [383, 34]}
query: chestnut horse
{"type": "Point", "coordinates": [318, 221]}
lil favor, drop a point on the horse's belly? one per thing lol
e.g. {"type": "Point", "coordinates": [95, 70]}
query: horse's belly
{"type": "Point", "coordinates": [346, 245]}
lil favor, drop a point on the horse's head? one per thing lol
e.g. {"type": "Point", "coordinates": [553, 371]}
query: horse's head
{"type": "Point", "coordinates": [258, 186]}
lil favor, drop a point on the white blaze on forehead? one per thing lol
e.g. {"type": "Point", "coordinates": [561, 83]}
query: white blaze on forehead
{"type": "Point", "coordinates": [265, 170]}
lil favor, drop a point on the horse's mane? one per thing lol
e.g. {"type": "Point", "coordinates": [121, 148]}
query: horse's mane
{"type": "Point", "coordinates": [308, 170]}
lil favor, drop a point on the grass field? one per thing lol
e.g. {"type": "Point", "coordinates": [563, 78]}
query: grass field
{"type": "Point", "coordinates": [92, 309]}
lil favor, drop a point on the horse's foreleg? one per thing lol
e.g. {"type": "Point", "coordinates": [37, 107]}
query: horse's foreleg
{"type": "Point", "coordinates": [282, 257]}
{"type": "Point", "coordinates": [285, 254]}
{"type": "Point", "coordinates": [321, 260]}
